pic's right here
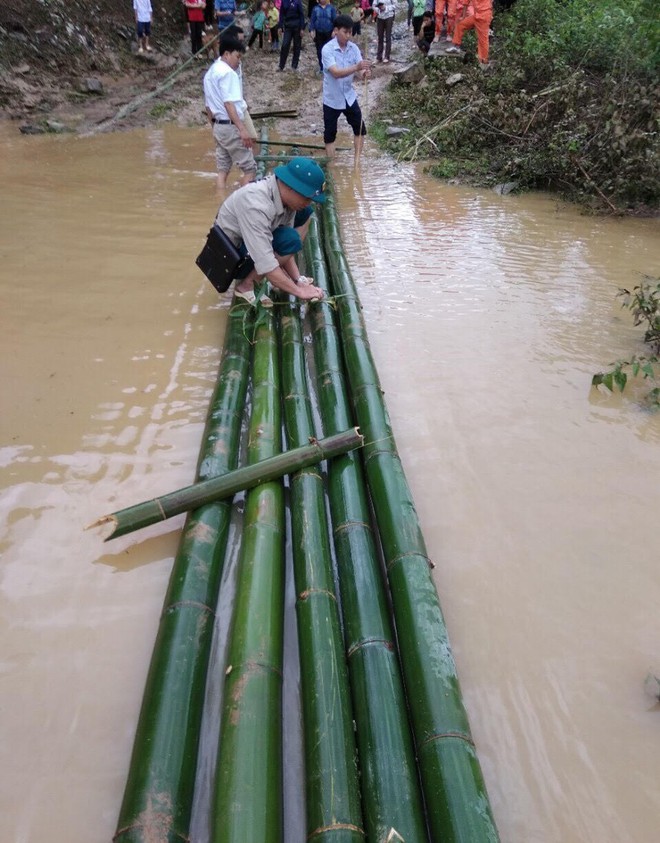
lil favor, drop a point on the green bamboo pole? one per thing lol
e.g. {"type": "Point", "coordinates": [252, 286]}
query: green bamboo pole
{"type": "Point", "coordinates": [248, 787]}
{"type": "Point", "coordinates": [296, 145]}
{"type": "Point", "coordinates": [456, 799]}
{"type": "Point", "coordinates": [391, 795]}
{"type": "Point", "coordinates": [158, 797]}
{"type": "Point", "coordinates": [332, 786]}
{"type": "Point", "coordinates": [160, 509]}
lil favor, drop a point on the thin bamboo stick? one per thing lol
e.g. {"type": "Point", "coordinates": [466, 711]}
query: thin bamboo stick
{"type": "Point", "coordinates": [174, 503]}
{"type": "Point", "coordinates": [248, 787]}
{"type": "Point", "coordinates": [297, 145]}
{"type": "Point", "coordinates": [332, 785]}
{"type": "Point", "coordinates": [159, 789]}
{"type": "Point", "coordinates": [284, 112]}
{"type": "Point", "coordinates": [456, 799]}
{"type": "Point", "coordinates": [391, 795]}
{"type": "Point", "coordinates": [320, 159]}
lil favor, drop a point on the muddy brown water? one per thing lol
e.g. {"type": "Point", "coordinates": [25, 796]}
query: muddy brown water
{"type": "Point", "coordinates": [538, 498]}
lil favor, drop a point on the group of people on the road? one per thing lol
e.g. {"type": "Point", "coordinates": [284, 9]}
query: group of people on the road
{"type": "Point", "coordinates": [267, 220]}
{"type": "Point", "coordinates": [340, 61]}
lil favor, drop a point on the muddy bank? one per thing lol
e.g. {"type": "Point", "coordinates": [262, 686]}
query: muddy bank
{"type": "Point", "coordinates": [67, 73]}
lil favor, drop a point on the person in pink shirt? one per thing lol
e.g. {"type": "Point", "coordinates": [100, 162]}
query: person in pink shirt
{"type": "Point", "coordinates": [368, 10]}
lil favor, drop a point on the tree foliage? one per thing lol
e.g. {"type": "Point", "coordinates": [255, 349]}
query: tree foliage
{"type": "Point", "coordinates": [571, 104]}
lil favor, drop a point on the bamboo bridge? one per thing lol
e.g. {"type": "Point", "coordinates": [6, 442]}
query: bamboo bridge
{"type": "Point", "coordinates": [388, 754]}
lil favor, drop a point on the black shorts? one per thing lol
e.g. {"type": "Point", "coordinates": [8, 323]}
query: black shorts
{"type": "Point", "coordinates": [331, 118]}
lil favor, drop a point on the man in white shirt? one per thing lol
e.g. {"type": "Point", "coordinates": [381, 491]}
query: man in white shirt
{"type": "Point", "coordinates": [225, 106]}
{"type": "Point", "coordinates": [342, 59]}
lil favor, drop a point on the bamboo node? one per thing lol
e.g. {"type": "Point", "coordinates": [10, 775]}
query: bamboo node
{"type": "Point", "coordinates": [354, 648]}
{"type": "Point", "coordinates": [160, 509]}
{"type": "Point", "coordinates": [336, 827]}
{"type": "Point", "coordinates": [309, 592]}
{"type": "Point", "coordinates": [403, 556]}
{"type": "Point", "coordinates": [348, 524]}
{"type": "Point", "coordinates": [181, 604]}
{"type": "Point", "coordinates": [460, 735]}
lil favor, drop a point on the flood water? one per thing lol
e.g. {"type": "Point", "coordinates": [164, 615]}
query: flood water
{"type": "Point", "coordinates": [538, 498]}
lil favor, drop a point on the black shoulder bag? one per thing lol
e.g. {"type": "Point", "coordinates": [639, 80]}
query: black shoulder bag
{"type": "Point", "coordinates": [219, 259]}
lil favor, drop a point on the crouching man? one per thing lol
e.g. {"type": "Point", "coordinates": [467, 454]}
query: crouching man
{"type": "Point", "coordinates": [251, 216]}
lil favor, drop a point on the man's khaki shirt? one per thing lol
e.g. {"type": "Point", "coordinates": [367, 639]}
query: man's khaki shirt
{"type": "Point", "coordinates": [250, 215]}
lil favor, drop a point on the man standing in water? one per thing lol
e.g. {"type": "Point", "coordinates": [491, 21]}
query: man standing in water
{"type": "Point", "coordinates": [251, 214]}
{"type": "Point", "coordinates": [341, 61]}
{"type": "Point", "coordinates": [225, 106]}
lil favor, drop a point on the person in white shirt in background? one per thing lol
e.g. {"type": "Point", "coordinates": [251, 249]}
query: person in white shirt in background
{"type": "Point", "coordinates": [225, 106]}
{"type": "Point", "coordinates": [385, 9]}
{"type": "Point", "coordinates": [143, 16]}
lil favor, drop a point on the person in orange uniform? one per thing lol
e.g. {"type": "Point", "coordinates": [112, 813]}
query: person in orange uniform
{"type": "Point", "coordinates": [479, 20]}
{"type": "Point", "coordinates": [452, 7]}
{"type": "Point", "coordinates": [451, 18]}
{"type": "Point", "coordinates": [439, 15]}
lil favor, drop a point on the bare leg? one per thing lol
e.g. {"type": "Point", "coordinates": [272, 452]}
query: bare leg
{"type": "Point", "coordinates": [303, 229]}
{"type": "Point", "coordinates": [247, 283]}
{"type": "Point", "coordinates": [221, 181]}
{"type": "Point", "coordinates": [330, 150]}
{"type": "Point", "coordinates": [248, 176]}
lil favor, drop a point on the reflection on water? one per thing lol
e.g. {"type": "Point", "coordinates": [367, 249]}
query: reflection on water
{"type": "Point", "coordinates": [487, 316]}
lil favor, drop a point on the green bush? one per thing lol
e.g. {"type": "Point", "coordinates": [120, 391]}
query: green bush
{"type": "Point", "coordinates": [572, 104]}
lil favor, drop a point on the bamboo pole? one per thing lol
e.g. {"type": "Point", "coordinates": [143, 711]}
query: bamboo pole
{"type": "Point", "coordinates": [296, 145]}
{"type": "Point", "coordinates": [159, 789]}
{"type": "Point", "coordinates": [332, 785]}
{"type": "Point", "coordinates": [320, 159]}
{"type": "Point", "coordinates": [283, 112]}
{"type": "Point", "coordinates": [182, 500]}
{"type": "Point", "coordinates": [456, 799]}
{"type": "Point", "coordinates": [391, 795]}
{"type": "Point", "coordinates": [248, 787]}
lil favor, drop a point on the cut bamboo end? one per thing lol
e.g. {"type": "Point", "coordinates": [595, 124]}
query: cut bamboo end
{"type": "Point", "coordinates": [101, 522]}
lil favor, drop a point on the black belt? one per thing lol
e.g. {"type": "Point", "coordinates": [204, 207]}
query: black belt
{"type": "Point", "coordinates": [221, 122]}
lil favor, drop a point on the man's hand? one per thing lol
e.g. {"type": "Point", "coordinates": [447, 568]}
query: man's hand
{"type": "Point", "coordinates": [246, 140]}
{"type": "Point", "coordinates": [309, 292]}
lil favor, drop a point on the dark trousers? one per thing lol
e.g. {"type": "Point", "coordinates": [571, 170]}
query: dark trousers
{"type": "Point", "coordinates": [196, 30]}
{"type": "Point", "coordinates": [384, 30]}
{"type": "Point", "coordinates": [287, 36]}
{"type": "Point", "coordinates": [256, 33]}
{"type": "Point", "coordinates": [274, 37]}
{"type": "Point", "coordinates": [321, 39]}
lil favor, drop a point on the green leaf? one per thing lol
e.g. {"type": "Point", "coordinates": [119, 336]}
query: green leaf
{"type": "Point", "coordinates": [620, 379]}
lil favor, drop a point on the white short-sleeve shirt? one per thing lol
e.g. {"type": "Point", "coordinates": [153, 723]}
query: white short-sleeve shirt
{"type": "Point", "coordinates": [223, 84]}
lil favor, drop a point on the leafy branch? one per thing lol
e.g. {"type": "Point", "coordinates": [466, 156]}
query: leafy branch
{"type": "Point", "coordinates": [643, 301]}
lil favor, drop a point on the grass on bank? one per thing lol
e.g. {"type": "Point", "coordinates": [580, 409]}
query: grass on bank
{"type": "Point", "coordinates": [570, 104]}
